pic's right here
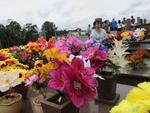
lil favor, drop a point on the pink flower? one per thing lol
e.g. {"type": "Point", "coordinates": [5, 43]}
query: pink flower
{"type": "Point", "coordinates": [98, 61]}
{"type": "Point", "coordinates": [57, 81]}
{"type": "Point", "coordinates": [80, 84]}
{"type": "Point", "coordinates": [89, 53]}
{"type": "Point", "coordinates": [14, 48]}
{"type": "Point", "coordinates": [61, 44]}
{"type": "Point", "coordinates": [97, 57]}
{"type": "Point", "coordinates": [75, 45]}
{"type": "Point", "coordinates": [75, 41]}
{"type": "Point", "coordinates": [76, 81]}
{"type": "Point", "coordinates": [33, 78]}
{"type": "Point", "coordinates": [101, 55]}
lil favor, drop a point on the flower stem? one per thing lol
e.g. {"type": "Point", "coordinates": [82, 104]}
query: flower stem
{"type": "Point", "coordinates": [42, 92]}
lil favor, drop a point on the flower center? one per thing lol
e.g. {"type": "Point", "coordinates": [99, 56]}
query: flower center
{"type": "Point", "coordinates": [7, 81]}
{"type": "Point", "coordinates": [77, 85]}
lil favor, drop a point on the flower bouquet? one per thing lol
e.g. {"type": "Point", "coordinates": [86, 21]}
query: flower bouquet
{"type": "Point", "coordinates": [75, 83]}
{"type": "Point", "coordinates": [136, 60]}
{"type": "Point", "coordinates": [139, 34]}
{"type": "Point", "coordinates": [107, 64]}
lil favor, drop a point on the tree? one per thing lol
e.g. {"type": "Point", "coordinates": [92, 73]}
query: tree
{"type": "Point", "coordinates": [13, 33]}
{"type": "Point", "coordinates": [30, 33]}
{"type": "Point", "coordinates": [3, 36]}
{"type": "Point", "coordinates": [62, 32]}
{"type": "Point", "coordinates": [49, 29]}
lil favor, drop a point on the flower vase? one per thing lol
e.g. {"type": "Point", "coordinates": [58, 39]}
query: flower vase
{"type": "Point", "coordinates": [37, 102]}
{"type": "Point", "coordinates": [107, 89]}
{"type": "Point", "coordinates": [11, 103]}
{"type": "Point", "coordinates": [49, 105]}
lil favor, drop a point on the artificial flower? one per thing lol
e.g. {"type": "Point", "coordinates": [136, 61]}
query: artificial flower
{"type": "Point", "coordinates": [137, 101]}
{"type": "Point", "coordinates": [62, 45]}
{"type": "Point", "coordinates": [3, 57]}
{"type": "Point", "coordinates": [8, 79]}
{"type": "Point", "coordinates": [55, 53]}
{"type": "Point", "coordinates": [89, 53]}
{"type": "Point", "coordinates": [76, 81]}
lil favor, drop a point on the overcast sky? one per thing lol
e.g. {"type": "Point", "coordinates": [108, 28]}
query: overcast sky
{"type": "Point", "coordinates": [70, 14]}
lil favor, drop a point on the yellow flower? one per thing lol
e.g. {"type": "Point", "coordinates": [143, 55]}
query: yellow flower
{"type": "Point", "coordinates": [22, 66]}
{"type": "Point", "coordinates": [137, 101]}
{"type": "Point", "coordinates": [142, 35]}
{"type": "Point", "coordinates": [55, 53]}
{"type": "Point", "coordinates": [127, 107]}
{"type": "Point", "coordinates": [146, 87]}
{"type": "Point", "coordinates": [137, 95]}
{"type": "Point", "coordinates": [47, 67]}
{"type": "Point", "coordinates": [4, 50]}
{"type": "Point", "coordinates": [22, 73]}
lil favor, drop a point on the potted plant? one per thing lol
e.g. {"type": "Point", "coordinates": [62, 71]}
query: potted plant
{"type": "Point", "coordinates": [38, 77]}
{"type": "Point", "coordinates": [76, 85]}
{"type": "Point", "coordinates": [10, 102]}
{"type": "Point", "coordinates": [9, 63]}
{"type": "Point", "coordinates": [107, 64]}
{"type": "Point", "coordinates": [38, 84]}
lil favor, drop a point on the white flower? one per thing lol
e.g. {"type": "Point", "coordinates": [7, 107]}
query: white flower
{"type": "Point", "coordinates": [86, 61]}
{"type": "Point", "coordinates": [117, 55]}
{"type": "Point", "coordinates": [8, 79]}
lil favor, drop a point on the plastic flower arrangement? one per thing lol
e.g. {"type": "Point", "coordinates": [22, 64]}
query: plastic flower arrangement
{"type": "Point", "coordinates": [75, 81]}
{"type": "Point", "coordinates": [98, 58]}
{"type": "Point", "coordinates": [38, 77]}
{"type": "Point", "coordinates": [71, 45]}
{"type": "Point", "coordinates": [126, 35]}
{"type": "Point", "coordinates": [62, 45]}
{"type": "Point", "coordinates": [8, 80]}
{"type": "Point", "coordinates": [139, 34]}
{"type": "Point", "coordinates": [137, 101]}
{"type": "Point", "coordinates": [137, 59]}
{"type": "Point", "coordinates": [25, 55]}
{"type": "Point", "coordinates": [7, 62]}
{"type": "Point", "coordinates": [38, 82]}
{"type": "Point", "coordinates": [40, 45]}
{"type": "Point", "coordinates": [117, 57]}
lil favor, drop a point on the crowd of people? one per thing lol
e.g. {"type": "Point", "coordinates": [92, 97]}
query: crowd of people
{"type": "Point", "coordinates": [98, 32]}
{"type": "Point", "coordinates": [114, 25]}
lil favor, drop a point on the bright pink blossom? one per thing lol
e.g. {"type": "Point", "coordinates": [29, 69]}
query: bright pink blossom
{"type": "Point", "coordinates": [33, 78]}
{"type": "Point", "coordinates": [76, 81]}
{"type": "Point", "coordinates": [98, 58]}
{"type": "Point", "coordinates": [14, 48]}
{"type": "Point", "coordinates": [62, 45]}
{"type": "Point", "coordinates": [89, 53]}
{"type": "Point", "coordinates": [57, 81]}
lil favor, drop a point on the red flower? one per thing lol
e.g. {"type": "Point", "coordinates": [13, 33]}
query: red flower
{"type": "Point", "coordinates": [3, 57]}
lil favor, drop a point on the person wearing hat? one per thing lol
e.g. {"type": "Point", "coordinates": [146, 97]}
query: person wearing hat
{"type": "Point", "coordinates": [98, 34]}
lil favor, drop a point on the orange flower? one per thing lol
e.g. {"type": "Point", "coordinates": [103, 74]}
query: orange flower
{"type": "Point", "coordinates": [47, 67]}
{"type": "Point", "coordinates": [34, 46]}
{"type": "Point", "coordinates": [51, 43]}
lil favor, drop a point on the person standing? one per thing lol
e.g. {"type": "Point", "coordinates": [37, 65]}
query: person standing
{"type": "Point", "coordinates": [132, 23]}
{"type": "Point", "coordinates": [114, 25]}
{"type": "Point", "coordinates": [89, 30]}
{"type": "Point", "coordinates": [98, 34]}
{"type": "Point", "coordinates": [119, 26]}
